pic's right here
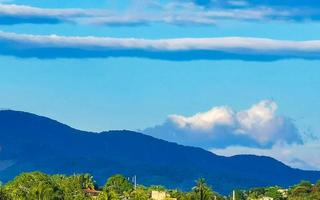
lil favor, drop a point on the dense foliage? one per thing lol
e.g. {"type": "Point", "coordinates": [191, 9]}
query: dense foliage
{"type": "Point", "coordinates": [302, 191]}
{"type": "Point", "coordinates": [40, 186]}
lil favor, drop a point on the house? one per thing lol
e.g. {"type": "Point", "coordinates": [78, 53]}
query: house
{"type": "Point", "coordinates": [284, 192]}
{"type": "Point", "coordinates": [161, 195]}
{"type": "Point", "coordinates": [91, 192]}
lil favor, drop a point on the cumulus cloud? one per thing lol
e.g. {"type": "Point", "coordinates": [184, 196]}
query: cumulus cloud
{"type": "Point", "coordinates": [220, 127]}
{"type": "Point", "coordinates": [182, 49]}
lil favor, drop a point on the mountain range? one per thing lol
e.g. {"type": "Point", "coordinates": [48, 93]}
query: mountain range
{"type": "Point", "coordinates": [29, 142]}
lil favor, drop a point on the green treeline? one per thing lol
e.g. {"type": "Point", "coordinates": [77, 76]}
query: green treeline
{"type": "Point", "coordinates": [40, 186]}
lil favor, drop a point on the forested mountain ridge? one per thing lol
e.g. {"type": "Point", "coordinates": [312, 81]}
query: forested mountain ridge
{"type": "Point", "coordinates": [34, 143]}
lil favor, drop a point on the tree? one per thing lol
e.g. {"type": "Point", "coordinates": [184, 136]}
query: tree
{"type": "Point", "coordinates": [179, 195]}
{"type": "Point", "coordinates": [118, 185]}
{"type": "Point", "coordinates": [201, 191]}
{"type": "Point", "coordinates": [304, 188]}
{"type": "Point", "coordinates": [103, 196]}
{"type": "Point", "coordinates": [71, 186]}
{"type": "Point", "coordinates": [240, 195]}
{"type": "Point", "coordinates": [317, 187]}
{"type": "Point", "coordinates": [274, 193]}
{"type": "Point", "coordinates": [157, 188]}
{"type": "Point", "coordinates": [140, 193]}
{"type": "Point", "coordinates": [256, 193]}
{"type": "Point", "coordinates": [36, 185]}
{"type": "Point", "coordinates": [3, 193]}
{"type": "Point", "coordinates": [86, 181]}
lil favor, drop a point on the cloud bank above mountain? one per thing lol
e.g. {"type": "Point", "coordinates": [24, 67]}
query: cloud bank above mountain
{"type": "Point", "coordinates": [220, 127]}
{"type": "Point", "coordinates": [182, 49]}
{"type": "Point", "coordinates": [302, 156]}
{"type": "Point", "coordinates": [257, 130]}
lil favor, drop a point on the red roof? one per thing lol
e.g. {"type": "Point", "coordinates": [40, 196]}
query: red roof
{"type": "Point", "coordinates": [91, 192]}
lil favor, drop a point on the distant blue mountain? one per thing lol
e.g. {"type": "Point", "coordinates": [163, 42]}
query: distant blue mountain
{"type": "Point", "coordinates": [29, 142]}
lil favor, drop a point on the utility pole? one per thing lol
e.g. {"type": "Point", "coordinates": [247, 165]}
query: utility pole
{"type": "Point", "coordinates": [135, 181]}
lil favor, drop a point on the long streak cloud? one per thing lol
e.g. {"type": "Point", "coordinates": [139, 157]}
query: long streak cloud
{"type": "Point", "coordinates": [176, 12]}
{"type": "Point", "coordinates": [182, 49]}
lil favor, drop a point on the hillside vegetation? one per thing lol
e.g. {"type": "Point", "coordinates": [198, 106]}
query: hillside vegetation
{"type": "Point", "coordinates": [40, 186]}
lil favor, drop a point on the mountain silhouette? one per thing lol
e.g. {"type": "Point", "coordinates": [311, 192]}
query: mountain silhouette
{"type": "Point", "coordinates": [33, 143]}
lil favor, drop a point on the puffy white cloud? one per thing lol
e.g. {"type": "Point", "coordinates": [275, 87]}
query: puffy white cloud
{"type": "Point", "coordinates": [260, 121]}
{"type": "Point", "coordinates": [258, 126]}
{"type": "Point", "coordinates": [205, 121]}
{"type": "Point", "coordinates": [259, 49]}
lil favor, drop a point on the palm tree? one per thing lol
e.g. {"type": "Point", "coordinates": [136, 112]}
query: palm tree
{"type": "Point", "coordinates": [201, 184]}
{"type": "Point", "coordinates": [201, 189]}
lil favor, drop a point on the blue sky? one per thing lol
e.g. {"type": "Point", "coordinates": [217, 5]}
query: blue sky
{"type": "Point", "coordinates": [90, 89]}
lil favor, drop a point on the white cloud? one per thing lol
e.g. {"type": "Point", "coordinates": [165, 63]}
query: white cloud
{"type": "Point", "coordinates": [260, 122]}
{"type": "Point", "coordinates": [12, 9]}
{"type": "Point", "coordinates": [15, 14]}
{"type": "Point", "coordinates": [260, 117]}
{"type": "Point", "coordinates": [257, 130]}
{"type": "Point", "coordinates": [205, 121]}
{"type": "Point", "coordinates": [303, 156]}
{"type": "Point", "coordinates": [258, 126]}
{"type": "Point", "coordinates": [259, 49]}
{"type": "Point", "coordinates": [173, 12]}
